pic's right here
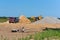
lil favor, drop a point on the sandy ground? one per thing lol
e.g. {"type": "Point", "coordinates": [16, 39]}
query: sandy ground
{"type": "Point", "coordinates": [5, 29]}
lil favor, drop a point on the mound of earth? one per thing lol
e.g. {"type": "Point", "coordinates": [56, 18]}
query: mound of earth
{"type": "Point", "coordinates": [7, 21]}
{"type": "Point", "coordinates": [23, 19]}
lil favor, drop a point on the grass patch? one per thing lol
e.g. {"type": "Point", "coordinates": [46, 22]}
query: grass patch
{"type": "Point", "coordinates": [49, 34]}
{"type": "Point", "coordinates": [3, 20]}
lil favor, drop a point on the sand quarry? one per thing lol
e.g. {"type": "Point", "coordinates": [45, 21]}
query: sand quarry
{"type": "Point", "coordinates": [31, 28]}
{"type": "Point", "coordinates": [5, 30]}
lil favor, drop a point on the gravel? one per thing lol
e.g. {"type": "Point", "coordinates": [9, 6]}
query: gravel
{"type": "Point", "coordinates": [50, 20]}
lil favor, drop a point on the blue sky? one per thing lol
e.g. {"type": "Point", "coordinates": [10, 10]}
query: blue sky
{"type": "Point", "coordinates": [30, 8]}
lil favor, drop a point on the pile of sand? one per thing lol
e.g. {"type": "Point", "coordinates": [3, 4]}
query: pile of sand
{"type": "Point", "coordinates": [6, 21]}
{"type": "Point", "coordinates": [23, 19]}
{"type": "Point", "coordinates": [48, 20]}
